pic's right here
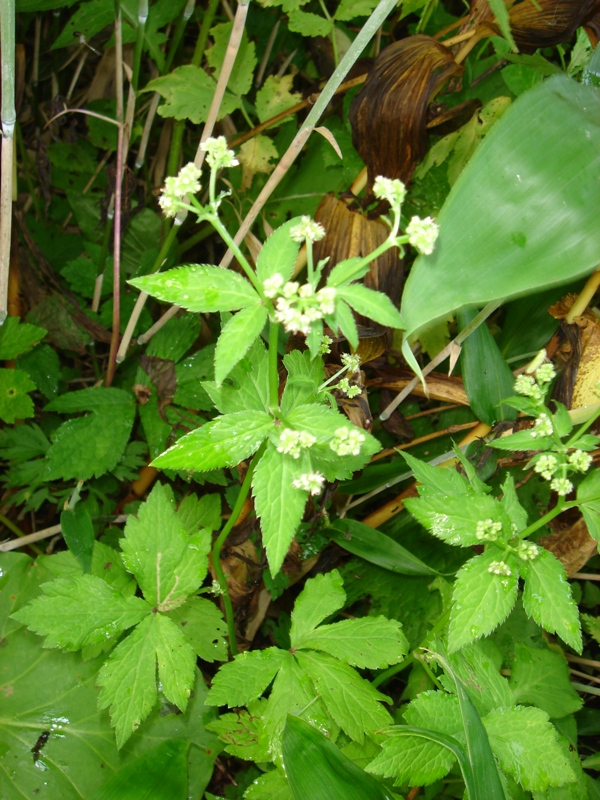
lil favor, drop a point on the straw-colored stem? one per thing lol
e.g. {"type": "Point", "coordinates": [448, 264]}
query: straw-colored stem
{"type": "Point", "coordinates": [585, 297]}
{"type": "Point", "coordinates": [178, 33]}
{"type": "Point", "coordinates": [139, 43]}
{"type": "Point", "coordinates": [8, 117]}
{"type": "Point", "coordinates": [116, 317]}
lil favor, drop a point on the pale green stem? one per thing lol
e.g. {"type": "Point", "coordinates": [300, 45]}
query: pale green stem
{"type": "Point", "coordinates": [216, 551]}
{"type": "Point", "coordinates": [8, 117]}
{"type": "Point", "coordinates": [560, 506]}
{"type": "Point", "coordinates": [139, 43]}
{"type": "Point", "coordinates": [273, 368]}
{"type": "Point", "coordinates": [179, 30]}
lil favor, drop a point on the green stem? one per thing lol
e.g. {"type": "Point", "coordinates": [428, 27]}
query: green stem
{"type": "Point", "coordinates": [139, 43]}
{"type": "Point", "coordinates": [388, 673]}
{"type": "Point", "coordinates": [216, 551]}
{"type": "Point", "coordinates": [166, 246]}
{"type": "Point", "coordinates": [243, 261]}
{"type": "Point", "coordinates": [179, 30]}
{"type": "Point", "coordinates": [207, 21]}
{"type": "Point", "coordinates": [560, 506]}
{"type": "Point", "coordinates": [582, 430]}
{"type": "Point", "coordinates": [273, 370]}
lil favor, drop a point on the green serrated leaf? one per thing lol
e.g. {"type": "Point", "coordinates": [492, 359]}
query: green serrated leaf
{"type": "Point", "coordinates": [200, 287]}
{"type": "Point", "coordinates": [279, 252]}
{"type": "Point", "coordinates": [374, 305]}
{"type": "Point", "coordinates": [352, 702]}
{"type": "Point", "coordinates": [454, 519]}
{"type": "Point", "coordinates": [481, 599]}
{"type": "Point", "coordinates": [15, 403]}
{"type": "Point", "coordinates": [200, 512]}
{"type": "Point", "coordinates": [274, 97]}
{"type": "Point", "coordinates": [18, 337]}
{"type": "Point", "coordinates": [344, 320]}
{"type": "Point", "coordinates": [80, 448]}
{"type": "Point", "coordinates": [236, 338]}
{"type": "Point", "coordinates": [445, 480]}
{"type": "Point", "coordinates": [176, 662]}
{"type": "Point", "coordinates": [203, 626]}
{"type": "Point", "coordinates": [305, 376]}
{"type": "Point", "coordinates": [540, 677]}
{"type": "Point", "coordinates": [246, 677]}
{"type": "Point", "coordinates": [243, 732]}
{"type": "Point", "coordinates": [512, 506]}
{"type": "Point", "coordinates": [279, 505]}
{"type": "Point", "coordinates": [188, 92]}
{"type": "Point", "coordinates": [168, 564]}
{"type": "Point", "coordinates": [412, 760]}
{"type": "Point", "coordinates": [247, 387]}
{"type": "Point", "coordinates": [367, 642]}
{"type": "Point", "coordinates": [321, 597]}
{"type": "Point", "coordinates": [75, 612]}
{"type": "Point", "coordinates": [547, 598]}
{"type": "Point", "coordinates": [309, 24]}
{"type": "Point", "coordinates": [224, 442]}
{"type": "Point", "coordinates": [474, 665]}
{"type": "Point", "coordinates": [350, 9]}
{"type": "Point", "coordinates": [128, 680]}
{"type": "Point", "coordinates": [345, 271]}
{"type": "Point", "coordinates": [526, 745]}
{"type": "Point", "coordinates": [240, 80]}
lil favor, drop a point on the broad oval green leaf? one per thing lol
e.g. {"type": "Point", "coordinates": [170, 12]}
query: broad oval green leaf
{"type": "Point", "coordinates": [377, 548]}
{"type": "Point", "coordinates": [523, 214]}
{"type": "Point", "coordinates": [236, 338]}
{"type": "Point", "coordinates": [317, 769]}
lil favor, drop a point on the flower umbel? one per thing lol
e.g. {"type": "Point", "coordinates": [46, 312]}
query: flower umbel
{"type": "Point", "coordinates": [390, 189]}
{"type": "Point", "coordinates": [499, 568]}
{"type": "Point", "coordinates": [307, 230]}
{"type": "Point", "coordinates": [527, 551]}
{"type": "Point", "coordinates": [579, 460]}
{"type": "Point", "coordinates": [562, 486]}
{"type": "Point", "coordinates": [546, 466]}
{"type": "Point", "coordinates": [542, 426]}
{"type": "Point", "coordinates": [422, 234]}
{"type": "Point", "coordinates": [310, 482]}
{"type": "Point", "coordinates": [347, 441]}
{"type": "Point", "coordinates": [218, 155]}
{"type": "Point", "coordinates": [177, 187]}
{"type": "Point", "coordinates": [487, 530]}
{"type": "Point", "coordinates": [292, 442]}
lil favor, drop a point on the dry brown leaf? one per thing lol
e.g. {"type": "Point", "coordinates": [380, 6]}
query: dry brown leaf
{"type": "Point", "coordinates": [572, 546]}
{"type": "Point", "coordinates": [389, 114]}
{"type": "Point", "coordinates": [579, 355]}
{"type": "Point", "coordinates": [350, 233]}
{"type": "Point", "coordinates": [554, 23]}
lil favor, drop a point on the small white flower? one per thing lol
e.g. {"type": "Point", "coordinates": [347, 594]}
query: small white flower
{"type": "Point", "coordinates": [390, 189]}
{"type": "Point", "coordinates": [579, 460]}
{"type": "Point", "coordinates": [422, 234]}
{"type": "Point", "coordinates": [326, 299]}
{"type": "Point", "coordinates": [169, 204]}
{"type": "Point", "coordinates": [527, 551]}
{"type": "Point", "coordinates": [306, 290]}
{"type": "Point", "coordinates": [347, 441]}
{"type": "Point", "coordinates": [218, 154]}
{"type": "Point", "coordinates": [488, 530]}
{"type": "Point", "coordinates": [307, 229]}
{"type": "Point", "coordinates": [290, 289]}
{"type": "Point", "coordinates": [306, 439]}
{"type": "Point", "coordinates": [562, 486]}
{"type": "Point", "coordinates": [545, 373]}
{"type": "Point", "coordinates": [499, 568]}
{"type": "Point", "coordinates": [289, 443]}
{"type": "Point", "coordinates": [272, 285]}
{"type": "Point", "coordinates": [351, 362]}
{"type": "Point", "coordinates": [310, 482]}
{"type": "Point", "coordinates": [188, 180]}
{"type": "Point", "coordinates": [542, 427]}
{"type": "Point", "coordinates": [325, 347]}
{"type": "Point", "coordinates": [546, 466]}
{"type": "Point", "coordinates": [526, 386]}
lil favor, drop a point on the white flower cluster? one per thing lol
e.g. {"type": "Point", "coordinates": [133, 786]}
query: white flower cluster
{"type": "Point", "coordinates": [347, 441]}
{"type": "Point", "coordinates": [499, 568]}
{"type": "Point", "coordinates": [527, 551]}
{"type": "Point", "coordinates": [292, 442]}
{"type": "Point", "coordinates": [545, 373]}
{"type": "Point", "coordinates": [350, 390]}
{"type": "Point", "coordinates": [310, 482]}
{"type": "Point", "coordinates": [351, 362]}
{"type": "Point", "coordinates": [542, 426]}
{"type": "Point", "coordinates": [218, 155]}
{"type": "Point", "coordinates": [307, 230]}
{"type": "Point", "coordinates": [297, 307]}
{"type": "Point", "coordinates": [579, 460]}
{"type": "Point", "coordinates": [526, 385]}
{"type": "Point", "coordinates": [177, 187]}
{"type": "Point", "coordinates": [390, 189]}
{"type": "Point", "coordinates": [488, 530]}
{"type": "Point", "coordinates": [562, 486]}
{"type": "Point", "coordinates": [422, 234]}
{"type": "Point", "coordinates": [546, 466]}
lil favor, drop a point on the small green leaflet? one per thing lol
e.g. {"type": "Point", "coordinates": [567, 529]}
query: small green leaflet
{"type": "Point", "coordinates": [17, 338]}
{"type": "Point", "coordinates": [481, 599]}
{"type": "Point", "coordinates": [176, 661]}
{"type": "Point", "coordinates": [278, 254]}
{"type": "Point", "coordinates": [224, 442]}
{"type": "Point", "coordinates": [314, 678]}
{"type": "Point", "coordinates": [309, 24]}
{"type": "Point", "coordinates": [237, 336]}
{"type": "Point", "coordinates": [81, 448]}
{"type": "Point", "coordinates": [203, 628]}
{"type": "Point", "coordinates": [75, 612]}
{"type": "Point", "coordinates": [547, 598]}
{"type": "Point", "coordinates": [188, 92]}
{"type": "Point", "coordinates": [200, 287]}
{"type": "Point", "coordinates": [374, 305]}
{"type": "Point", "coordinates": [15, 403]}
{"type": "Point", "coordinates": [247, 386]}
{"type": "Point", "coordinates": [78, 533]}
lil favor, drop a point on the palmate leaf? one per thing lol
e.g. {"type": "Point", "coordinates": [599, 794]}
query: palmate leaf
{"type": "Point", "coordinates": [321, 597]}
{"type": "Point", "coordinates": [167, 562]}
{"type": "Point", "coordinates": [246, 677]}
{"type": "Point", "coordinates": [200, 287]}
{"type": "Point", "coordinates": [535, 170]}
{"type": "Point", "coordinates": [224, 442]}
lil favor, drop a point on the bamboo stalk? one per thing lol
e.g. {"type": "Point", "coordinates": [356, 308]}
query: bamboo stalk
{"type": "Point", "coordinates": [8, 117]}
